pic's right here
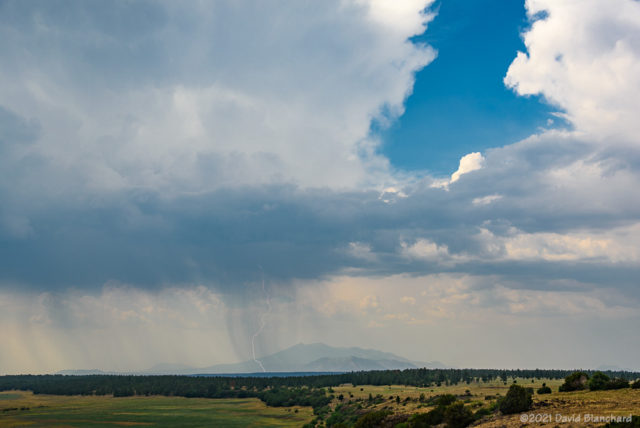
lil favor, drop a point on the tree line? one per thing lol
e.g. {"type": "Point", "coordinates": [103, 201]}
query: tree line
{"type": "Point", "coordinates": [232, 387]}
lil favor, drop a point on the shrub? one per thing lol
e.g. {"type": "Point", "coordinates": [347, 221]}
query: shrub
{"type": "Point", "coordinates": [426, 420]}
{"type": "Point", "coordinates": [452, 412]}
{"type": "Point", "coordinates": [343, 415]}
{"type": "Point", "coordinates": [618, 383]}
{"type": "Point", "coordinates": [372, 420]}
{"type": "Point", "coordinates": [458, 416]}
{"type": "Point", "coordinates": [518, 399]}
{"type": "Point", "coordinates": [574, 382]}
{"type": "Point", "coordinates": [636, 384]}
{"type": "Point", "coordinates": [598, 381]}
{"type": "Point", "coordinates": [481, 413]}
{"type": "Point", "coordinates": [432, 417]}
{"type": "Point", "coordinates": [544, 389]}
{"type": "Point", "coordinates": [442, 400]}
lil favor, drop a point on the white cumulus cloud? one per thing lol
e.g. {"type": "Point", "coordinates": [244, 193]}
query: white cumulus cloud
{"type": "Point", "coordinates": [210, 95]}
{"type": "Point", "coordinates": [584, 57]}
{"type": "Point", "coordinates": [468, 163]}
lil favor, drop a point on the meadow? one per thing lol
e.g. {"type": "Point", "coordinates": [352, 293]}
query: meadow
{"type": "Point", "coordinates": [18, 408]}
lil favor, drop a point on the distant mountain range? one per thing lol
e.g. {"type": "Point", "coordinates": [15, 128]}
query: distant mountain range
{"type": "Point", "coordinates": [315, 357]}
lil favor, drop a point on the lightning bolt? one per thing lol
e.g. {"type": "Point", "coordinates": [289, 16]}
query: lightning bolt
{"type": "Point", "coordinates": [263, 322]}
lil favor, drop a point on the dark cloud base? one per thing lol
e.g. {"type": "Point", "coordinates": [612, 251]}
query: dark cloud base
{"type": "Point", "coordinates": [223, 238]}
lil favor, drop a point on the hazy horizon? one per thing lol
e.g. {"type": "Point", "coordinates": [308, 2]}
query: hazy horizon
{"type": "Point", "coordinates": [166, 366]}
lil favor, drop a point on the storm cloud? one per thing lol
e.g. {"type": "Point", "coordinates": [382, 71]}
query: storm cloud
{"type": "Point", "coordinates": [158, 150]}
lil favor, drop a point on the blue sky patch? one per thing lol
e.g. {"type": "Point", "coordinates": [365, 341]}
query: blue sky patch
{"type": "Point", "coordinates": [459, 102]}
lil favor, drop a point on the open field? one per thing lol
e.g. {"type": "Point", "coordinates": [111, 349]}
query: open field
{"type": "Point", "coordinates": [477, 393]}
{"type": "Point", "coordinates": [28, 409]}
{"type": "Point", "coordinates": [89, 411]}
{"type": "Point", "coordinates": [623, 402]}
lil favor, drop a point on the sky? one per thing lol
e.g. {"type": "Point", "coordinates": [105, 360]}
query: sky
{"type": "Point", "coordinates": [476, 42]}
{"type": "Point", "coordinates": [445, 180]}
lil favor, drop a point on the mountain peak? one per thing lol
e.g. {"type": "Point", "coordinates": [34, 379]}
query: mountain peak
{"type": "Point", "coordinates": [301, 357]}
{"type": "Point", "coordinates": [319, 356]}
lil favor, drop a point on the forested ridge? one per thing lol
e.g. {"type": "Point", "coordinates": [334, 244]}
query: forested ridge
{"type": "Point", "coordinates": [265, 387]}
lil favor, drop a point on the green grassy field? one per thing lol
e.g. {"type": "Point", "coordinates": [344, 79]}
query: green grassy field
{"type": "Point", "coordinates": [19, 409]}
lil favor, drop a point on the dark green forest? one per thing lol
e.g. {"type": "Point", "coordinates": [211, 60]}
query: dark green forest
{"type": "Point", "coordinates": [275, 391]}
